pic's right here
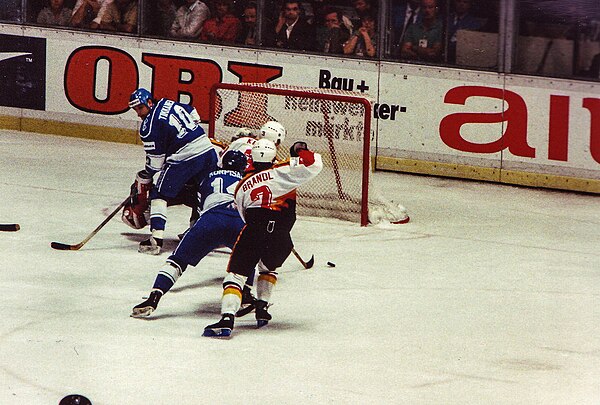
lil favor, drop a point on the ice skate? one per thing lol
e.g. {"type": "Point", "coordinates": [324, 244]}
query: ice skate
{"type": "Point", "coordinates": [222, 328]}
{"type": "Point", "coordinates": [262, 316]}
{"type": "Point", "coordinates": [147, 307]}
{"type": "Point", "coordinates": [151, 246]}
{"type": "Point", "coordinates": [248, 302]}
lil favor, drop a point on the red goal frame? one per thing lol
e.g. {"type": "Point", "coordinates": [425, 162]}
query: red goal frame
{"type": "Point", "coordinates": [312, 93]}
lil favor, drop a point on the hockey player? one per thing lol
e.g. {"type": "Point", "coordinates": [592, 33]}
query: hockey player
{"type": "Point", "coordinates": [219, 225]}
{"type": "Point", "coordinates": [245, 138]}
{"type": "Point", "coordinates": [266, 200]}
{"type": "Point", "coordinates": [177, 148]}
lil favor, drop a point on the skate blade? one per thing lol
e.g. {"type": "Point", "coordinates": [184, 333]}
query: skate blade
{"type": "Point", "coordinates": [141, 312]}
{"type": "Point", "coordinates": [149, 251]}
{"type": "Point", "coordinates": [217, 333]}
{"type": "Point", "coordinates": [261, 322]}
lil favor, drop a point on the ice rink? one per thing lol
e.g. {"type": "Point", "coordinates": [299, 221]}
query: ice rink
{"type": "Point", "coordinates": [490, 295]}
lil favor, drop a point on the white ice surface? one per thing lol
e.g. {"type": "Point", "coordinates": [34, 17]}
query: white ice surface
{"type": "Point", "coordinates": [490, 295]}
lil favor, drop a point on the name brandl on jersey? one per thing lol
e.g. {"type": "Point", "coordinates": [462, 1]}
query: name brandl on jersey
{"type": "Point", "coordinates": [257, 178]}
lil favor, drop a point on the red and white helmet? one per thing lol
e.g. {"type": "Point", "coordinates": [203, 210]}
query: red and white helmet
{"type": "Point", "coordinates": [273, 131]}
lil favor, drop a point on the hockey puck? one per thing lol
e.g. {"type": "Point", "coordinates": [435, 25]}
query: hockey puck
{"type": "Point", "coordinates": [75, 399]}
{"type": "Point", "coordinates": [9, 227]}
{"type": "Point", "coordinates": [331, 264]}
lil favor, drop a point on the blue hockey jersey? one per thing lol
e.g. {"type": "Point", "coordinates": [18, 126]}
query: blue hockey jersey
{"type": "Point", "coordinates": [217, 190]}
{"type": "Point", "coordinates": [170, 135]}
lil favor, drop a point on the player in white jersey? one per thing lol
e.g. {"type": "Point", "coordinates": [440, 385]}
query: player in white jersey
{"type": "Point", "coordinates": [266, 200]}
{"type": "Point", "coordinates": [245, 138]}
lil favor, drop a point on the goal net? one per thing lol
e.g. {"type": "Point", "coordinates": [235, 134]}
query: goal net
{"type": "Point", "coordinates": [334, 123]}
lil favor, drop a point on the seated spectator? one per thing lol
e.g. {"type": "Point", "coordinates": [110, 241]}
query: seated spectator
{"type": "Point", "coordinates": [460, 19]}
{"type": "Point", "coordinates": [594, 71]}
{"type": "Point", "coordinates": [120, 15]}
{"type": "Point", "coordinates": [10, 10]}
{"type": "Point", "coordinates": [364, 42]}
{"type": "Point", "coordinates": [404, 14]}
{"type": "Point", "coordinates": [162, 18]}
{"type": "Point", "coordinates": [424, 40]}
{"type": "Point", "coordinates": [247, 35]}
{"type": "Point", "coordinates": [335, 33]}
{"type": "Point", "coordinates": [55, 14]}
{"type": "Point", "coordinates": [189, 19]}
{"type": "Point", "coordinates": [292, 31]}
{"type": "Point", "coordinates": [89, 13]}
{"type": "Point", "coordinates": [224, 27]}
{"type": "Point", "coordinates": [361, 7]}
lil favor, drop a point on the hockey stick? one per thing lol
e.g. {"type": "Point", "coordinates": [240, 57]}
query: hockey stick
{"type": "Point", "coordinates": [64, 246]}
{"type": "Point", "coordinates": [9, 227]}
{"type": "Point", "coordinates": [308, 264]}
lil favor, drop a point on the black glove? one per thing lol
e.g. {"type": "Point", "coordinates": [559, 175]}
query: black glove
{"type": "Point", "coordinates": [297, 147]}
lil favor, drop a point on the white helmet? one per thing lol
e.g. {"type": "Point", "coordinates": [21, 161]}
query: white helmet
{"type": "Point", "coordinates": [264, 151]}
{"type": "Point", "coordinates": [243, 133]}
{"type": "Point", "coordinates": [273, 131]}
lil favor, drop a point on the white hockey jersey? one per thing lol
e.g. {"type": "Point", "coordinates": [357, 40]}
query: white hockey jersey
{"type": "Point", "coordinates": [274, 188]}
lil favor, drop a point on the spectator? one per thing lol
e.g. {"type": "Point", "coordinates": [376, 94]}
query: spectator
{"type": "Point", "coordinates": [594, 70]}
{"type": "Point", "coordinates": [460, 19]}
{"type": "Point", "coordinates": [163, 17]}
{"type": "Point", "coordinates": [55, 14]}
{"type": "Point", "coordinates": [364, 42]}
{"type": "Point", "coordinates": [11, 10]}
{"type": "Point", "coordinates": [189, 19]}
{"type": "Point", "coordinates": [224, 27]}
{"type": "Point", "coordinates": [247, 35]}
{"type": "Point", "coordinates": [89, 13]}
{"type": "Point", "coordinates": [404, 14]}
{"type": "Point", "coordinates": [423, 40]}
{"type": "Point", "coordinates": [121, 15]}
{"type": "Point", "coordinates": [335, 33]}
{"type": "Point", "coordinates": [292, 31]}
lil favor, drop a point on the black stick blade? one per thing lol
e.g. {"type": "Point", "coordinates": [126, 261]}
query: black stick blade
{"type": "Point", "coordinates": [310, 263]}
{"type": "Point", "coordinates": [63, 246]}
{"type": "Point", "coordinates": [9, 227]}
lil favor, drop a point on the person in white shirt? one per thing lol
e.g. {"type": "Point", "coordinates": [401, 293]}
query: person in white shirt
{"type": "Point", "coordinates": [189, 19]}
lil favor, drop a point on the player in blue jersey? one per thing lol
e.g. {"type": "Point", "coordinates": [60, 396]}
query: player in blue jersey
{"type": "Point", "coordinates": [219, 225]}
{"type": "Point", "coordinates": [177, 148]}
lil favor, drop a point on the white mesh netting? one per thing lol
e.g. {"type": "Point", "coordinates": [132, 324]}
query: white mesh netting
{"type": "Point", "coordinates": [334, 123]}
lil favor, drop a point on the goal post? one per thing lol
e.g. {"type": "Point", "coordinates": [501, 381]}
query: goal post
{"type": "Point", "coordinates": [334, 123]}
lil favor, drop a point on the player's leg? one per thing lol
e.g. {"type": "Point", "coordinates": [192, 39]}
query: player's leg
{"type": "Point", "coordinates": [244, 257]}
{"type": "Point", "coordinates": [206, 235]}
{"type": "Point", "coordinates": [278, 248]}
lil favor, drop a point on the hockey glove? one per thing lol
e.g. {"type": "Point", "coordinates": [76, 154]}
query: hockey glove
{"type": "Point", "coordinates": [297, 147]}
{"type": "Point", "coordinates": [136, 212]}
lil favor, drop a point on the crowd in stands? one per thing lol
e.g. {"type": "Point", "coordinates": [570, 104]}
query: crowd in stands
{"type": "Point", "coordinates": [416, 30]}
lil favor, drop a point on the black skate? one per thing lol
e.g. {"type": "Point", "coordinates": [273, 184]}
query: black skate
{"type": "Point", "coordinates": [151, 246]}
{"type": "Point", "coordinates": [262, 316]}
{"type": "Point", "coordinates": [248, 302]}
{"type": "Point", "coordinates": [222, 328]}
{"type": "Point", "coordinates": [147, 307]}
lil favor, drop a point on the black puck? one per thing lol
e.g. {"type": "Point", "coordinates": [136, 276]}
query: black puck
{"type": "Point", "coordinates": [75, 399]}
{"type": "Point", "coordinates": [330, 264]}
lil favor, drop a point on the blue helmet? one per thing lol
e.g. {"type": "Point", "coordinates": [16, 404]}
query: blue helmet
{"type": "Point", "coordinates": [234, 160]}
{"type": "Point", "coordinates": [140, 96]}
